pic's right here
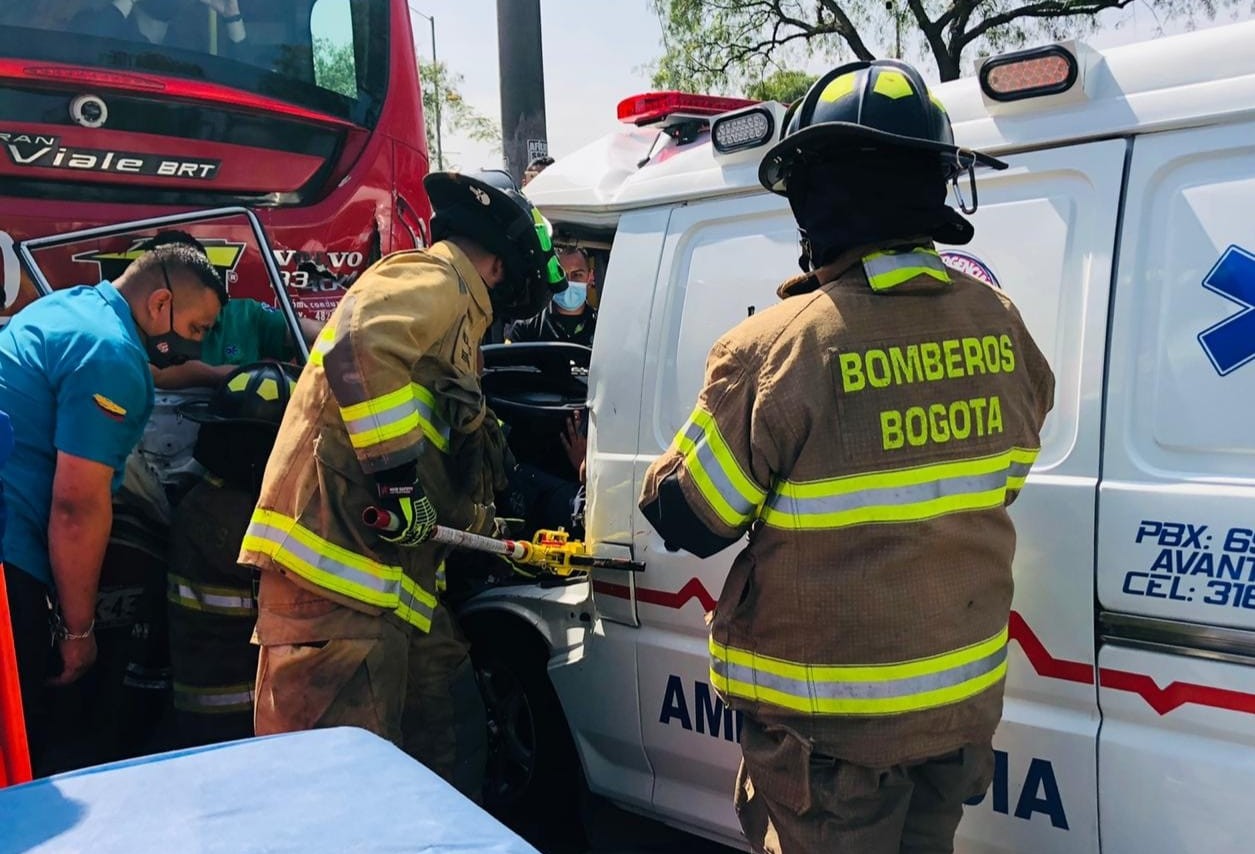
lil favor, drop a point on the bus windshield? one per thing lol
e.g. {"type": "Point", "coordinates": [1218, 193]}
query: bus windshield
{"type": "Point", "coordinates": [325, 55]}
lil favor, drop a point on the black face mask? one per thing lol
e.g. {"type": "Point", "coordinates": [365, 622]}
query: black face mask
{"type": "Point", "coordinates": [170, 348]}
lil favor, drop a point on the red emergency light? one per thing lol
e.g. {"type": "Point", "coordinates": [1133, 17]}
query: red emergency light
{"type": "Point", "coordinates": [651, 107]}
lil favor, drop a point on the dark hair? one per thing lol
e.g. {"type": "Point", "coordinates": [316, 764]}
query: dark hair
{"type": "Point", "coordinates": [181, 258]}
{"type": "Point", "coordinates": [172, 237]}
{"type": "Point", "coordinates": [540, 162]}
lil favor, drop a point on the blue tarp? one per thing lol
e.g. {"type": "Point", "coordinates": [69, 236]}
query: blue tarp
{"type": "Point", "coordinates": [335, 790]}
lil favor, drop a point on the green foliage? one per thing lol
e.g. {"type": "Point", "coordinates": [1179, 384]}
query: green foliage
{"type": "Point", "coordinates": [442, 98]}
{"type": "Point", "coordinates": [785, 86]}
{"type": "Point", "coordinates": [334, 69]}
{"type": "Point", "coordinates": [728, 45]}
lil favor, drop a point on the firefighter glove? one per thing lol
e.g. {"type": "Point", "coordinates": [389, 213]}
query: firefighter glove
{"type": "Point", "coordinates": [402, 495]}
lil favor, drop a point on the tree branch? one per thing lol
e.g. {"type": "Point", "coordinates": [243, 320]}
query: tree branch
{"type": "Point", "coordinates": [1045, 9]}
{"type": "Point", "coordinates": [846, 29]}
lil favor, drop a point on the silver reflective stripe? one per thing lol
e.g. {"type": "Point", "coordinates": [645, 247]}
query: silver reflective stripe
{"type": "Point", "coordinates": [885, 270]}
{"type": "Point", "coordinates": [428, 413]}
{"type": "Point", "coordinates": [414, 610]}
{"type": "Point", "coordinates": [1019, 470]}
{"type": "Point", "coordinates": [356, 577]}
{"type": "Point", "coordinates": [211, 600]}
{"type": "Point", "coordinates": [380, 420]}
{"type": "Point", "coordinates": [219, 699]}
{"type": "Point", "coordinates": [875, 690]}
{"type": "Point", "coordinates": [892, 496]}
{"type": "Point", "coordinates": [719, 478]}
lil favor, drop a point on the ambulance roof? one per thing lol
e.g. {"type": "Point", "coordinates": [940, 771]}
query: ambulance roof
{"type": "Point", "coordinates": [1199, 78]}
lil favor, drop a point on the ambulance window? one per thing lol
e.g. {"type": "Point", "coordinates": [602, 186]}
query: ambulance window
{"type": "Point", "coordinates": [1185, 330]}
{"type": "Point", "coordinates": [724, 269]}
{"type": "Point", "coordinates": [1045, 229]}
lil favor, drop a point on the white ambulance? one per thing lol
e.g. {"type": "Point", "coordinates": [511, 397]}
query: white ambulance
{"type": "Point", "coordinates": [1125, 231]}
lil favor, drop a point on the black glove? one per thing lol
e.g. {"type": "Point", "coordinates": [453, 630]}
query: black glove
{"type": "Point", "coordinates": [402, 495]}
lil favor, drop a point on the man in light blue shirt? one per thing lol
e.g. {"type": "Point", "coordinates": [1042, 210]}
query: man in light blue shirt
{"type": "Point", "coordinates": [75, 381]}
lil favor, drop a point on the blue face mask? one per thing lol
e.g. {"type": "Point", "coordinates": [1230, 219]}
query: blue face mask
{"type": "Point", "coordinates": [573, 297]}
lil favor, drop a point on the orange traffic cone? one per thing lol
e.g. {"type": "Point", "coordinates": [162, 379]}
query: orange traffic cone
{"type": "Point", "coordinates": [15, 761]}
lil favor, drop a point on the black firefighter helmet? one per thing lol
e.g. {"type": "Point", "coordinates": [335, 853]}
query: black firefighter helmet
{"type": "Point", "coordinates": [240, 422]}
{"type": "Point", "coordinates": [883, 104]}
{"type": "Point", "coordinates": [509, 226]}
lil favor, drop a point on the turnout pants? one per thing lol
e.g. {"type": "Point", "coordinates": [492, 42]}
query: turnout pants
{"type": "Point", "coordinates": [325, 665]}
{"type": "Point", "coordinates": [791, 800]}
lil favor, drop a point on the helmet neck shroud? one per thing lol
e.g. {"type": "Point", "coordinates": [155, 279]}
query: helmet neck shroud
{"type": "Point", "coordinates": [845, 197]}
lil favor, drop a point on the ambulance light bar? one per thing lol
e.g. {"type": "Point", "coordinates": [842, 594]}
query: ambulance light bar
{"type": "Point", "coordinates": [1029, 73]}
{"type": "Point", "coordinates": [652, 107]}
{"type": "Point", "coordinates": [746, 128]}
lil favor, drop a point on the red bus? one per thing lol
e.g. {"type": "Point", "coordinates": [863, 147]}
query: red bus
{"type": "Point", "coordinates": [307, 112]}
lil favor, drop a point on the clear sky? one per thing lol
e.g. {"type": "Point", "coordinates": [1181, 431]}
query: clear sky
{"type": "Point", "coordinates": [596, 53]}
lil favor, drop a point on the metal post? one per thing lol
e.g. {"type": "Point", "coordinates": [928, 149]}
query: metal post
{"type": "Point", "coordinates": [435, 73]}
{"type": "Point", "coordinates": [522, 84]}
{"type": "Point", "coordinates": [435, 84]}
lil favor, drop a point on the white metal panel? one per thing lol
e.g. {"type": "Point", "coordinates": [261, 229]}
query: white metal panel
{"type": "Point", "coordinates": [1177, 754]}
{"type": "Point", "coordinates": [721, 258]}
{"type": "Point", "coordinates": [1045, 232]}
{"type": "Point", "coordinates": [614, 384]}
{"type": "Point", "coordinates": [1177, 514]}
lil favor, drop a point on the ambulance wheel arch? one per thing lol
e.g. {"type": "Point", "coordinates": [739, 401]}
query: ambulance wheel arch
{"type": "Point", "coordinates": [532, 764]}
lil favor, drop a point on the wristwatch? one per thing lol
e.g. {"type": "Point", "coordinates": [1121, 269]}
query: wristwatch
{"type": "Point", "coordinates": [232, 19]}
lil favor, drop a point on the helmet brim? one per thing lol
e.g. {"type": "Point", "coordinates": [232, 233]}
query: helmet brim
{"type": "Point", "coordinates": [199, 412]}
{"type": "Point", "coordinates": [780, 158]}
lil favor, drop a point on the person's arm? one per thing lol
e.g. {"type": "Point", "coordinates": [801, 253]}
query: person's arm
{"type": "Point", "coordinates": [193, 374]}
{"type": "Point", "coordinates": [229, 10]}
{"type": "Point", "coordinates": [104, 398]}
{"type": "Point", "coordinates": [384, 325]}
{"type": "Point", "coordinates": [310, 329]}
{"type": "Point", "coordinates": [78, 532]}
{"type": "Point", "coordinates": [707, 489]}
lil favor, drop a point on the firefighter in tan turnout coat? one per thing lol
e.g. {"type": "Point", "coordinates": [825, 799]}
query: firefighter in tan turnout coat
{"type": "Point", "coordinates": [868, 432]}
{"type": "Point", "coordinates": [389, 413]}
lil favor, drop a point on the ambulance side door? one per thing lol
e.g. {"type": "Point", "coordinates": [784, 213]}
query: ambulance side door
{"type": "Point", "coordinates": [1176, 540]}
{"type": "Point", "coordinates": [722, 260]}
{"type": "Point", "coordinates": [1045, 232]}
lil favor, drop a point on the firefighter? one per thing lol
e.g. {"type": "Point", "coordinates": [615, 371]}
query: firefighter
{"type": "Point", "coordinates": [389, 412]}
{"type": "Point", "coordinates": [868, 432]}
{"type": "Point", "coordinates": [209, 596]}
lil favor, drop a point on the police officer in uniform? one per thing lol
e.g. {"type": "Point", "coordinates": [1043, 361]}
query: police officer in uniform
{"type": "Point", "coordinates": [868, 432]}
{"type": "Point", "coordinates": [389, 412]}
{"type": "Point", "coordinates": [209, 595]}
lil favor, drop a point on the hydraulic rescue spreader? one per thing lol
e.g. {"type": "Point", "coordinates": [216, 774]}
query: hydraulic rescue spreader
{"type": "Point", "coordinates": [552, 551]}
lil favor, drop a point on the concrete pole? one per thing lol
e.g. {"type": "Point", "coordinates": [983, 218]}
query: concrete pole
{"type": "Point", "coordinates": [522, 84]}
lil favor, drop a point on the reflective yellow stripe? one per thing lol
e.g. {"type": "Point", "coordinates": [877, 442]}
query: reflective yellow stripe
{"type": "Point", "coordinates": [394, 415]}
{"type": "Point", "coordinates": [435, 428]}
{"type": "Point", "coordinates": [335, 568]}
{"type": "Point", "coordinates": [417, 605]}
{"type": "Point", "coordinates": [887, 270]}
{"type": "Point", "coordinates": [389, 416]}
{"type": "Point", "coordinates": [227, 601]}
{"type": "Point", "coordinates": [861, 689]}
{"type": "Point", "coordinates": [901, 495]}
{"type": "Point", "coordinates": [322, 345]}
{"type": "Point", "coordinates": [213, 700]}
{"type": "Point", "coordinates": [715, 470]}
